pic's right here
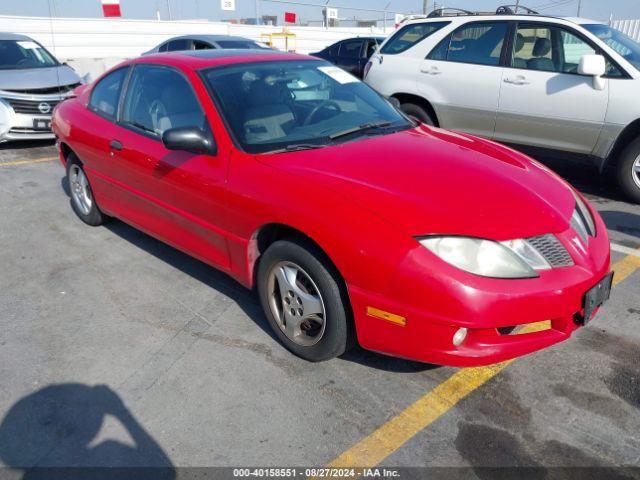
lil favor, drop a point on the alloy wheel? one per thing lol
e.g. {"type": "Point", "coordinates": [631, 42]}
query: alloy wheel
{"type": "Point", "coordinates": [80, 190]}
{"type": "Point", "coordinates": [635, 171]}
{"type": "Point", "coordinates": [296, 303]}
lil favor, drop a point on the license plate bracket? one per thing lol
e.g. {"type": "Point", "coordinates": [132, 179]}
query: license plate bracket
{"type": "Point", "coordinates": [43, 124]}
{"type": "Point", "coordinates": [596, 296]}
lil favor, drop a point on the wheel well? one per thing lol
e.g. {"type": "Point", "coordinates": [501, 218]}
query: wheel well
{"type": "Point", "coordinates": [630, 133]}
{"type": "Point", "coordinates": [66, 151]}
{"type": "Point", "coordinates": [272, 232]}
{"type": "Point", "coordinates": [417, 100]}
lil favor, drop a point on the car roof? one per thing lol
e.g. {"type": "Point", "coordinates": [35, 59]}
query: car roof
{"type": "Point", "coordinates": [209, 38]}
{"type": "Point", "coordinates": [198, 59]}
{"type": "Point", "coordinates": [13, 36]}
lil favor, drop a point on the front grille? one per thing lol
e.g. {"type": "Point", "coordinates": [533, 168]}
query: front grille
{"type": "Point", "coordinates": [27, 130]}
{"type": "Point", "coordinates": [31, 107]}
{"type": "Point", "coordinates": [45, 91]}
{"type": "Point", "coordinates": [552, 250]}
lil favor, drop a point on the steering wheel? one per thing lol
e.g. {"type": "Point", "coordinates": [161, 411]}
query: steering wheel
{"type": "Point", "coordinates": [329, 104]}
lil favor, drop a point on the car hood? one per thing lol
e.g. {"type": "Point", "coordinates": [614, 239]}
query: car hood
{"type": "Point", "coordinates": [431, 181]}
{"type": "Point", "coordinates": [28, 78]}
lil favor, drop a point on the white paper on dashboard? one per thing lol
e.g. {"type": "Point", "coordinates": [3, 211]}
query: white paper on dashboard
{"type": "Point", "coordinates": [338, 74]}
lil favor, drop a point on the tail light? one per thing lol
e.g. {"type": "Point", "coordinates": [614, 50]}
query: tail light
{"type": "Point", "coordinates": [367, 67]}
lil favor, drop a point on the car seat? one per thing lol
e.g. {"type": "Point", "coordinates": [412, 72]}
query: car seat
{"type": "Point", "coordinates": [269, 117]}
{"type": "Point", "coordinates": [541, 49]}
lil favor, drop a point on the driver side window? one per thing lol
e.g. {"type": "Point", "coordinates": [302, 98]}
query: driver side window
{"type": "Point", "coordinates": [159, 98]}
{"type": "Point", "coordinates": [551, 49]}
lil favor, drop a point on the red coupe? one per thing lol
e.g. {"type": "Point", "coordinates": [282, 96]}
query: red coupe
{"type": "Point", "coordinates": [354, 223]}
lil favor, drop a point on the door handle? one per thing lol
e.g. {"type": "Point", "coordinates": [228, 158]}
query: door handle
{"type": "Point", "coordinates": [519, 80]}
{"type": "Point", "coordinates": [115, 145]}
{"type": "Point", "coordinates": [431, 71]}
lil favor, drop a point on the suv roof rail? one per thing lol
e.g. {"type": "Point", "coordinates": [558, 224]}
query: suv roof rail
{"type": "Point", "coordinates": [459, 12]}
{"type": "Point", "coordinates": [450, 12]}
{"type": "Point", "coordinates": [514, 10]}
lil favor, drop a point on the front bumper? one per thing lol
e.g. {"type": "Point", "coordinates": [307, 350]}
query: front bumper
{"type": "Point", "coordinates": [26, 117]}
{"type": "Point", "coordinates": [503, 318]}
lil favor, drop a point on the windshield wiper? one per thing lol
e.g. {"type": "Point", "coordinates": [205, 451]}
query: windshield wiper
{"type": "Point", "coordinates": [296, 147]}
{"type": "Point", "coordinates": [360, 128]}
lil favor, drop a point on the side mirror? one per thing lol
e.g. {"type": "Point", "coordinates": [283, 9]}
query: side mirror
{"type": "Point", "coordinates": [593, 66]}
{"type": "Point", "coordinates": [189, 139]}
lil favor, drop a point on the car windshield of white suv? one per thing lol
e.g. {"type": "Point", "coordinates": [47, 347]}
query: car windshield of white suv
{"type": "Point", "coordinates": [287, 106]}
{"type": "Point", "coordinates": [21, 54]}
{"type": "Point", "coordinates": [621, 43]}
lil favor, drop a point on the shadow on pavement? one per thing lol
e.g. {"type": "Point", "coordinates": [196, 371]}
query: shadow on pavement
{"type": "Point", "coordinates": [27, 144]}
{"type": "Point", "coordinates": [598, 187]}
{"type": "Point", "coordinates": [244, 298]}
{"type": "Point", "coordinates": [53, 434]}
{"type": "Point", "coordinates": [623, 222]}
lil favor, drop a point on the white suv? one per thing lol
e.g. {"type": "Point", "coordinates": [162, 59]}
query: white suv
{"type": "Point", "coordinates": [559, 84]}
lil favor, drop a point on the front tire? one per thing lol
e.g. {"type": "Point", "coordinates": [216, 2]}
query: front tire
{"type": "Point", "coordinates": [628, 170]}
{"type": "Point", "coordinates": [303, 301]}
{"type": "Point", "coordinates": [419, 113]}
{"type": "Point", "coordinates": [82, 201]}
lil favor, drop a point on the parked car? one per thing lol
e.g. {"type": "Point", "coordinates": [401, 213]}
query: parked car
{"type": "Point", "coordinates": [556, 85]}
{"type": "Point", "coordinates": [351, 54]}
{"type": "Point", "coordinates": [351, 220]}
{"type": "Point", "coordinates": [205, 42]}
{"type": "Point", "coordinates": [32, 83]}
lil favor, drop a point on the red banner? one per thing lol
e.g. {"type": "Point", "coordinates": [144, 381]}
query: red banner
{"type": "Point", "coordinates": [111, 10]}
{"type": "Point", "coordinates": [289, 17]}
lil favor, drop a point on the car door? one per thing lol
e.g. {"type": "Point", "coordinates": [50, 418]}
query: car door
{"type": "Point", "coordinates": [176, 196]}
{"type": "Point", "coordinates": [544, 102]}
{"type": "Point", "coordinates": [349, 55]}
{"type": "Point", "coordinates": [461, 77]}
{"type": "Point", "coordinates": [370, 47]}
{"type": "Point", "coordinates": [94, 132]}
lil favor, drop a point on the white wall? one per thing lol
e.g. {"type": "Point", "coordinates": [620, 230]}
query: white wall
{"type": "Point", "coordinates": [630, 27]}
{"type": "Point", "coordinates": [92, 45]}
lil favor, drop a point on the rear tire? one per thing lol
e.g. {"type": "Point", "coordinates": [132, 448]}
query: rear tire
{"type": "Point", "coordinates": [418, 113]}
{"type": "Point", "coordinates": [294, 278]}
{"type": "Point", "coordinates": [82, 201]}
{"type": "Point", "coordinates": [628, 171]}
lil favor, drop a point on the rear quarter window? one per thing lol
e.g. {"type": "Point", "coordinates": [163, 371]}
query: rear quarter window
{"type": "Point", "coordinates": [410, 35]}
{"type": "Point", "coordinates": [106, 94]}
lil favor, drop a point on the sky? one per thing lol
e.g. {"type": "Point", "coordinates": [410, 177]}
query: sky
{"type": "Point", "coordinates": [210, 9]}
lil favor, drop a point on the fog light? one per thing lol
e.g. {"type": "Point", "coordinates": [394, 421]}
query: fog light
{"type": "Point", "coordinates": [459, 336]}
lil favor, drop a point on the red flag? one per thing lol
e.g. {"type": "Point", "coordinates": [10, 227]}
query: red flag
{"type": "Point", "coordinates": [289, 17]}
{"type": "Point", "coordinates": [111, 8]}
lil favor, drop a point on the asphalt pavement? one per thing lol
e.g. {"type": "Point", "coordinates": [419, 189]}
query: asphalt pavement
{"type": "Point", "coordinates": [118, 350]}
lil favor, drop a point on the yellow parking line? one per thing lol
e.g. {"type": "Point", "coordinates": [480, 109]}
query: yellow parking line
{"type": "Point", "coordinates": [374, 448]}
{"type": "Point", "coordinates": [625, 267]}
{"type": "Point", "coordinates": [25, 162]}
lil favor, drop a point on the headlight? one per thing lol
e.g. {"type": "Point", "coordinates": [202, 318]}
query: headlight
{"type": "Point", "coordinates": [512, 259]}
{"type": "Point", "coordinates": [581, 220]}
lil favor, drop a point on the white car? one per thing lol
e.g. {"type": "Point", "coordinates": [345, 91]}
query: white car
{"type": "Point", "coordinates": [561, 84]}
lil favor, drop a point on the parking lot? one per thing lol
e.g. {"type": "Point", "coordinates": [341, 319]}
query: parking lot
{"type": "Point", "coordinates": [118, 350]}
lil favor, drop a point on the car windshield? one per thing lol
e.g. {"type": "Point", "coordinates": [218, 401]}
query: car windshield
{"type": "Point", "coordinates": [19, 54]}
{"type": "Point", "coordinates": [272, 106]}
{"type": "Point", "coordinates": [624, 45]}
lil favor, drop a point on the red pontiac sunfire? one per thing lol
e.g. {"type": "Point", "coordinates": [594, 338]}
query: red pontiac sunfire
{"type": "Point", "coordinates": [353, 223]}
